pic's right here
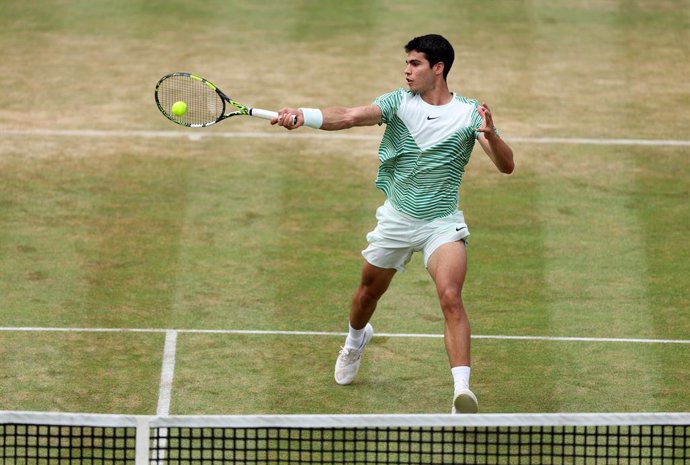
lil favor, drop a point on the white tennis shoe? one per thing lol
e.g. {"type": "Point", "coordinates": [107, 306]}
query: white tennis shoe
{"type": "Point", "coordinates": [464, 401]}
{"type": "Point", "coordinates": [347, 364]}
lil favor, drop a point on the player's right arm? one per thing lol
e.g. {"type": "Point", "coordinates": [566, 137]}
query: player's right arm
{"type": "Point", "coordinates": [334, 118]}
{"type": "Point", "coordinates": [337, 118]}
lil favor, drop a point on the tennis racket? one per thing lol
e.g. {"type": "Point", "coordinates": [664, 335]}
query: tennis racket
{"type": "Point", "coordinates": [205, 103]}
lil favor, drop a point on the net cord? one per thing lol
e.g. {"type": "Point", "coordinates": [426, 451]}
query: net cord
{"type": "Point", "coordinates": [340, 421]}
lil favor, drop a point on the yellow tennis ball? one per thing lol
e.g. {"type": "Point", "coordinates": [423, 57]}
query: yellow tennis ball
{"type": "Point", "coordinates": [179, 108]}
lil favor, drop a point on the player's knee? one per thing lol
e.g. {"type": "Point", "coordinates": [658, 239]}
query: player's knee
{"type": "Point", "coordinates": [451, 303]}
{"type": "Point", "coordinates": [450, 295]}
{"type": "Point", "coordinates": [367, 295]}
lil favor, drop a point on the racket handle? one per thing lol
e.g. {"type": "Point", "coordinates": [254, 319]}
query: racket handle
{"type": "Point", "coordinates": [267, 114]}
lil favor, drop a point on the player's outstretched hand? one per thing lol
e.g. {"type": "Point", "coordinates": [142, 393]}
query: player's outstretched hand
{"type": "Point", "coordinates": [289, 118]}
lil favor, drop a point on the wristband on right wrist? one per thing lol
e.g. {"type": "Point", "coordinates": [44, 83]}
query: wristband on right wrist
{"type": "Point", "coordinates": [312, 117]}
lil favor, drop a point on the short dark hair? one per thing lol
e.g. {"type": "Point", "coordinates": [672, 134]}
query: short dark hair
{"type": "Point", "coordinates": [436, 49]}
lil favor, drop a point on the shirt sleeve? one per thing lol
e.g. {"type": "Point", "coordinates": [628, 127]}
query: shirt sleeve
{"type": "Point", "coordinates": [389, 103]}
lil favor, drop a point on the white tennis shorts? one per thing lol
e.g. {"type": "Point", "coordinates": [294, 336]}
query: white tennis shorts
{"type": "Point", "coordinates": [397, 236]}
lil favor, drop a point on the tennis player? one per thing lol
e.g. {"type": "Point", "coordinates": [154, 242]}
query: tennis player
{"type": "Point", "coordinates": [430, 133]}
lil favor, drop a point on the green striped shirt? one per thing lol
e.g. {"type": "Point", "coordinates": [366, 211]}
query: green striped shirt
{"type": "Point", "coordinates": [424, 151]}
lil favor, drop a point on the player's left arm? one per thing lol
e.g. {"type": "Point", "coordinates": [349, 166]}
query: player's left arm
{"type": "Point", "coordinates": [496, 148]}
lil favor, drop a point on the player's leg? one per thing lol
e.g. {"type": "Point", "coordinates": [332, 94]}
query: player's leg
{"type": "Point", "coordinates": [387, 252]}
{"type": "Point", "coordinates": [373, 284]}
{"type": "Point", "coordinates": [448, 268]}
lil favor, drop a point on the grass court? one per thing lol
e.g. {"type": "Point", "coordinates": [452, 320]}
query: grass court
{"type": "Point", "coordinates": [243, 240]}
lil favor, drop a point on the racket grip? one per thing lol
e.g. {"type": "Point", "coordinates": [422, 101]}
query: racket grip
{"type": "Point", "coordinates": [267, 114]}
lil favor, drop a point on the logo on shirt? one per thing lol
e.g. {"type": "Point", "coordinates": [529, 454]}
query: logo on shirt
{"type": "Point", "coordinates": [430, 118]}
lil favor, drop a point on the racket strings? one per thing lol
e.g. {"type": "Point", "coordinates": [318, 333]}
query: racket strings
{"type": "Point", "coordinates": [204, 105]}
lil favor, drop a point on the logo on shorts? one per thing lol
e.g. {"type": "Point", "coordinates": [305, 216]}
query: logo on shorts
{"type": "Point", "coordinates": [430, 118]}
{"type": "Point", "coordinates": [460, 229]}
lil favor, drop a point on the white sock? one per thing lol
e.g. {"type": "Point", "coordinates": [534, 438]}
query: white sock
{"type": "Point", "coordinates": [461, 377]}
{"type": "Point", "coordinates": [355, 338]}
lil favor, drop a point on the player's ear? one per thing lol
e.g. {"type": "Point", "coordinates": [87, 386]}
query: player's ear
{"type": "Point", "coordinates": [438, 68]}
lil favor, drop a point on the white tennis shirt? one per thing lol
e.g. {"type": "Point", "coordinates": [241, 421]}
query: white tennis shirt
{"type": "Point", "coordinates": [424, 151]}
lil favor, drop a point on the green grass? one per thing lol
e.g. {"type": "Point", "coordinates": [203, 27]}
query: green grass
{"type": "Point", "coordinates": [79, 372]}
{"type": "Point", "coordinates": [265, 233]}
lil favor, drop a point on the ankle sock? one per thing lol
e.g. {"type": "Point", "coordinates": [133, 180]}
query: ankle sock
{"type": "Point", "coordinates": [461, 377]}
{"type": "Point", "coordinates": [355, 338]}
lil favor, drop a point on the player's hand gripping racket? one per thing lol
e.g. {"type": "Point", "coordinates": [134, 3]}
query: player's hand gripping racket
{"type": "Point", "coordinates": [192, 101]}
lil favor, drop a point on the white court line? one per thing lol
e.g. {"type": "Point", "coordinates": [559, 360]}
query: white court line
{"type": "Point", "coordinates": [339, 334]}
{"type": "Point", "coordinates": [167, 373]}
{"type": "Point", "coordinates": [165, 391]}
{"type": "Point", "coordinates": [196, 134]}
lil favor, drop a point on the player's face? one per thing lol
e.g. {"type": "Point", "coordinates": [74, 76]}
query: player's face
{"type": "Point", "coordinates": [418, 72]}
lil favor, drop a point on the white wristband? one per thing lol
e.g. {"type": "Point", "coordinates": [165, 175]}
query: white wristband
{"type": "Point", "coordinates": [312, 117]}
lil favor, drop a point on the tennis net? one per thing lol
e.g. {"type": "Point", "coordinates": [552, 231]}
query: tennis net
{"type": "Point", "coordinates": [630, 439]}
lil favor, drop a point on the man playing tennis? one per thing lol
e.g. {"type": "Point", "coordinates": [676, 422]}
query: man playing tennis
{"type": "Point", "coordinates": [430, 133]}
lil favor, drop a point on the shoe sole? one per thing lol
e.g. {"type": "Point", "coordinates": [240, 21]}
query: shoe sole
{"type": "Point", "coordinates": [466, 402]}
